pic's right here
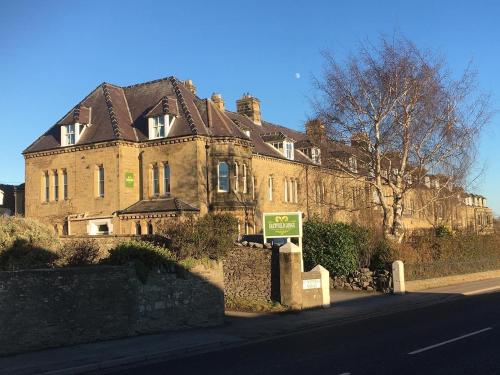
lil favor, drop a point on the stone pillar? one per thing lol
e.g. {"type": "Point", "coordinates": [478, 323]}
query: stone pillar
{"type": "Point", "coordinates": [290, 276]}
{"type": "Point", "coordinates": [398, 277]}
{"type": "Point", "coordinates": [325, 284]}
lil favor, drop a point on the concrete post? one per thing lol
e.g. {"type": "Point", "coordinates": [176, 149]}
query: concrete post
{"type": "Point", "coordinates": [291, 276]}
{"type": "Point", "coordinates": [398, 277]}
{"type": "Point", "coordinates": [325, 284]}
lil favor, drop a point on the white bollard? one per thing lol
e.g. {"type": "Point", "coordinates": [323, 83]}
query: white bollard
{"type": "Point", "coordinates": [398, 277]}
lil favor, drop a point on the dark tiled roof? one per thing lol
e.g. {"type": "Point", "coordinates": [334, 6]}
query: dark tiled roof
{"type": "Point", "coordinates": [159, 205]}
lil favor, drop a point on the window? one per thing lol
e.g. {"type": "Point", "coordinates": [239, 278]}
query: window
{"type": "Point", "coordinates": [253, 187]}
{"type": "Point", "coordinates": [236, 177]}
{"type": "Point", "coordinates": [245, 188]}
{"type": "Point", "coordinates": [65, 184]}
{"type": "Point", "coordinates": [159, 127]}
{"type": "Point", "coordinates": [285, 185]}
{"type": "Point", "coordinates": [288, 150]}
{"type": "Point", "coordinates": [295, 192]}
{"type": "Point", "coordinates": [150, 228]}
{"type": "Point", "coordinates": [102, 229]}
{"type": "Point", "coordinates": [353, 164]}
{"type": "Point", "coordinates": [270, 186]}
{"type": "Point", "coordinates": [100, 181]}
{"type": "Point", "coordinates": [138, 229]}
{"type": "Point", "coordinates": [223, 177]}
{"type": "Point", "coordinates": [315, 155]}
{"type": "Point", "coordinates": [71, 133]}
{"type": "Point", "coordinates": [56, 186]}
{"type": "Point", "coordinates": [166, 179]}
{"type": "Point", "coordinates": [47, 189]}
{"type": "Point", "coordinates": [156, 180]}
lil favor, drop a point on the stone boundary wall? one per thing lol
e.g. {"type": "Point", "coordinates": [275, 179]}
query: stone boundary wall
{"type": "Point", "coordinates": [252, 273]}
{"type": "Point", "coordinates": [364, 279]}
{"type": "Point", "coordinates": [58, 307]}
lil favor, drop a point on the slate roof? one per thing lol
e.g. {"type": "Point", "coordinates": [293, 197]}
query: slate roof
{"type": "Point", "coordinates": [170, 204]}
{"type": "Point", "coordinates": [120, 113]}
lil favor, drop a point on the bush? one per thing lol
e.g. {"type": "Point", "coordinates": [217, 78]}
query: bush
{"type": "Point", "coordinates": [211, 236]}
{"type": "Point", "coordinates": [382, 256]}
{"type": "Point", "coordinates": [442, 231]}
{"type": "Point", "coordinates": [29, 231]}
{"type": "Point", "coordinates": [336, 246]}
{"type": "Point", "coordinates": [23, 255]}
{"type": "Point", "coordinates": [144, 255]}
{"type": "Point", "coordinates": [79, 253]}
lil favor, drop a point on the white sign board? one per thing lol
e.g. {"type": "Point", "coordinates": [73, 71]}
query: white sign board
{"type": "Point", "coordinates": [311, 284]}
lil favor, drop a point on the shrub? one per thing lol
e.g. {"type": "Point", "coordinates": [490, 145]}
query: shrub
{"type": "Point", "coordinates": [383, 255]}
{"type": "Point", "coordinates": [79, 253]}
{"type": "Point", "coordinates": [29, 231]}
{"type": "Point", "coordinates": [144, 255]}
{"type": "Point", "coordinates": [23, 255]}
{"type": "Point", "coordinates": [336, 246]}
{"type": "Point", "coordinates": [211, 236]}
{"type": "Point", "coordinates": [442, 231]}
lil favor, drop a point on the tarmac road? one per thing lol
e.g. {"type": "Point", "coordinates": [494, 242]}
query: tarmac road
{"type": "Point", "coordinates": [458, 337]}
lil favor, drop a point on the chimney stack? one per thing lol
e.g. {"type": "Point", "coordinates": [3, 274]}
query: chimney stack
{"type": "Point", "coordinates": [316, 131]}
{"type": "Point", "coordinates": [190, 86]}
{"type": "Point", "coordinates": [249, 106]}
{"type": "Point", "coordinates": [218, 101]}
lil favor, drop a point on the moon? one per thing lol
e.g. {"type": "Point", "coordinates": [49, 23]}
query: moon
{"type": "Point", "coordinates": [297, 75]}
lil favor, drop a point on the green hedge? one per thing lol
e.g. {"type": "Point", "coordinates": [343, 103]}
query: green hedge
{"type": "Point", "coordinates": [338, 247]}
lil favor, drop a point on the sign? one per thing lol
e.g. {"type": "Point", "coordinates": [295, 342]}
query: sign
{"type": "Point", "coordinates": [282, 224]}
{"type": "Point", "coordinates": [129, 179]}
{"type": "Point", "coordinates": [311, 284]}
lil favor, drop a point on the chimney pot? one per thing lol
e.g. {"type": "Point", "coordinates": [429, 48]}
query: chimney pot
{"type": "Point", "coordinates": [218, 101]}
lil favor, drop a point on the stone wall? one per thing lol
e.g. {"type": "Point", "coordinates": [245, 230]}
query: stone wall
{"type": "Point", "coordinates": [363, 279]}
{"type": "Point", "coordinates": [105, 243]}
{"type": "Point", "coordinates": [252, 273]}
{"type": "Point", "coordinates": [57, 307]}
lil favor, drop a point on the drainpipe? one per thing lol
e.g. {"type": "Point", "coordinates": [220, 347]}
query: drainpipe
{"type": "Point", "coordinates": [307, 191]}
{"type": "Point", "coordinates": [207, 180]}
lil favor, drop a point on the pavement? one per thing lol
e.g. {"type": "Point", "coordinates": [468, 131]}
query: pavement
{"type": "Point", "coordinates": [240, 329]}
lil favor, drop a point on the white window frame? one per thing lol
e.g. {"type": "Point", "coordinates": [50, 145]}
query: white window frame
{"type": "Point", "coordinates": [166, 178]}
{"type": "Point", "coordinates": [288, 150]}
{"type": "Point", "coordinates": [71, 133]}
{"type": "Point", "coordinates": [219, 177]}
{"type": "Point", "coordinates": [245, 187]}
{"type": "Point", "coordinates": [55, 177]}
{"type": "Point", "coordinates": [155, 180]}
{"type": "Point", "coordinates": [157, 123]}
{"type": "Point", "coordinates": [93, 227]}
{"type": "Point", "coordinates": [236, 177]}
{"type": "Point", "coordinates": [65, 184]}
{"type": "Point", "coordinates": [100, 181]}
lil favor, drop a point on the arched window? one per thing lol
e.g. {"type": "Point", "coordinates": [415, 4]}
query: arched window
{"type": "Point", "coordinates": [150, 228]}
{"type": "Point", "coordinates": [270, 192]}
{"type": "Point", "coordinates": [285, 185]}
{"type": "Point", "coordinates": [138, 229]}
{"type": "Point", "coordinates": [166, 179]}
{"type": "Point", "coordinates": [223, 177]}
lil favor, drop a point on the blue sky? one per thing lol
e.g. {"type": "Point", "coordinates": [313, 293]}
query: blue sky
{"type": "Point", "coordinates": [53, 53]}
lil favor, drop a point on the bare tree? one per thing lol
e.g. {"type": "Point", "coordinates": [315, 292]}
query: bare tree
{"type": "Point", "coordinates": [407, 119]}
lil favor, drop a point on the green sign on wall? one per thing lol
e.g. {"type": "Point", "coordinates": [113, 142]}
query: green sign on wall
{"type": "Point", "coordinates": [282, 224]}
{"type": "Point", "coordinates": [129, 179]}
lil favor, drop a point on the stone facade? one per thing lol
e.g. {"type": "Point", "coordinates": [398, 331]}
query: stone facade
{"type": "Point", "coordinates": [49, 308]}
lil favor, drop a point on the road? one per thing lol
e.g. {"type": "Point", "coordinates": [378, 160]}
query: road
{"type": "Point", "coordinates": [458, 337]}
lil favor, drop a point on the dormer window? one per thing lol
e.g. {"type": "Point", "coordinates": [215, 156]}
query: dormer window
{"type": "Point", "coordinates": [159, 126]}
{"type": "Point", "coordinates": [288, 150]}
{"type": "Point", "coordinates": [71, 133]}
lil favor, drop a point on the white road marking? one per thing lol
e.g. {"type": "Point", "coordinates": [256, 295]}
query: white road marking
{"type": "Point", "coordinates": [449, 341]}
{"type": "Point", "coordinates": [481, 290]}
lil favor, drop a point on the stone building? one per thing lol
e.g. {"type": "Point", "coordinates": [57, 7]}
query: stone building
{"type": "Point", "coordinates": [125, 159]}
{"type": "Point", "coordinates": [11, 199]}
